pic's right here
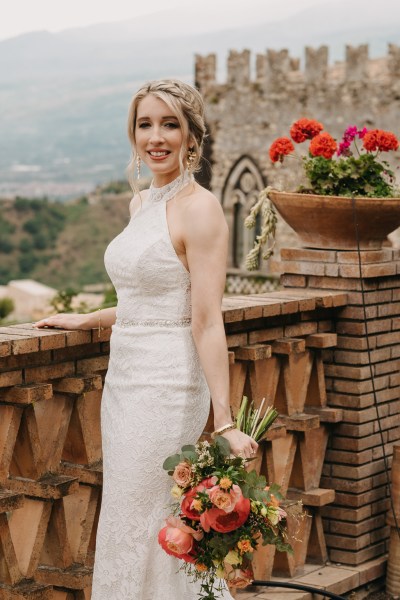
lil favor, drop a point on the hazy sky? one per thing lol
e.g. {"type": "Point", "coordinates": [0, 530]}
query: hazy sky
{"type": "Point", "coordinates": [22, 16]}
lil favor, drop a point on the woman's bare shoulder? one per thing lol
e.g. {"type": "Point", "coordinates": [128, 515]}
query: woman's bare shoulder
{"type": "Point", "coordinates": [203, 212]}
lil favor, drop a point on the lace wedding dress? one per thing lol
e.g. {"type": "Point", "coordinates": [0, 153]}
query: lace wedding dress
{"type": "Point", "coordinates": [155, 400]}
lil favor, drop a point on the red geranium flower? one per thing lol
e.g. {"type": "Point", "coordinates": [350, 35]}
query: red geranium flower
{"type": "Point", "coordinates": [377, 139]}
{"type": "Point", "coordinates": [323, 145]}
{"type": "Point", "coordinates": [305, 129]}
{"type": "Point", "coordinates": [280, 148]}
{"type": "Point", "coordinates": [223, 522]}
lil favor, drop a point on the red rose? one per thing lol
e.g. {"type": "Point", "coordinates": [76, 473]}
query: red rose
{"type": "Point", "coordinates": [280, 148]}
{"type": "Point", "coordinates": [323, 145]}
{"type": "Point", "coordinates": [305, 129]}
{"type": "Point", "coordinates": [219, 520]}
{"type": "Point", "coordinates": [186, 505]}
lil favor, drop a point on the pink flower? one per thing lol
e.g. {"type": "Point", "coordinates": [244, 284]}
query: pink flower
{"type": "Point", "coordinates": [240, 578]}
{"type": "Point", "coordinates": [343, 149]}
{"type": "Point", "coordinates": [183, 474]}
{"type": "Point", "coordinates": [362, 133]}
{"type": "Point", "coordinates": [177, 538]}
{"type": "Point", "coordinates": [223, 522]}
{"type": "Point", "coordinates": [225, 500]}
{"type": "Point", "coordinates": [187, 503]}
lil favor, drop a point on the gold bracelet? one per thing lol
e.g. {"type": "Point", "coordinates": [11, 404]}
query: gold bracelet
{"type": "Point", "coordinates": [223, 429]}
{"type": "Point", "coordinates": [99, 328]}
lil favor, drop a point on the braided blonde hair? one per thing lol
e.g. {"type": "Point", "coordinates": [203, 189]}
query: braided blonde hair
{"type": "Point", "coordinates": [186, 102]}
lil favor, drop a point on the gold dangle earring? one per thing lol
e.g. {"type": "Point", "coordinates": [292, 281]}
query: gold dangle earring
{"type": "Point", "coordinates": [138, 163]}
{"type": "Point", "coordinates": [191, 157]}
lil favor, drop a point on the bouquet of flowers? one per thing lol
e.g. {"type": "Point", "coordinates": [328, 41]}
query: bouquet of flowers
{"type": "Point", "coordinates": [222, 511]}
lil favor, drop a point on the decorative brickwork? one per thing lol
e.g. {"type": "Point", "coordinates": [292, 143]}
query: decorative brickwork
{"type": "Point", "coordinates": [355, 523]}
{"type": "Point", "coordinates": [50, 447]}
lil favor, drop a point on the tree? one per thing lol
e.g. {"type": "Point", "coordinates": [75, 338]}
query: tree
{"type": "Point", "coordinates": [6, 307]}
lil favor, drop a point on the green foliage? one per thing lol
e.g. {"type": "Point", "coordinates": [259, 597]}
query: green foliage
{"type": "Point", "coordinates": [27, 263]}
{"type": "Point", "coordinates": [349, 176]}
{"type": "Point", "coordinates": [6, 307]}
{"type": "Point", "coordinates": [116, 187]}
{"type": "Point", "coordinates": [6, 244]}
{"type": "Point", "coordinates": [62, 301]}
{"type": "Point", "coordinates": [110, 298]}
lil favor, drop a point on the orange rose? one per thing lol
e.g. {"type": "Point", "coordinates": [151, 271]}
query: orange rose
{"type": "Point", "coordinates": [183, 474]}
{"type": "Point", "coordinates": [245, 546]}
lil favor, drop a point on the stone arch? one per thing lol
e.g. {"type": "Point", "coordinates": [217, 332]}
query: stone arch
{"type": "Point", "coordinates": [240, 191]}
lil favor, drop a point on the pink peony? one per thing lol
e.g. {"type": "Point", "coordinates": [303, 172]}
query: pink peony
{"type": "Point", "coordinates": [222, 521]}
{"type": "Point", "coordinates": [177, 538]}
{"type": "Point", "coordinates": [225, 500]}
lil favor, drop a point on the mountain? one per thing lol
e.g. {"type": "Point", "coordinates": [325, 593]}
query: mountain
{"type": "Point", "coordinates": [64, 96]}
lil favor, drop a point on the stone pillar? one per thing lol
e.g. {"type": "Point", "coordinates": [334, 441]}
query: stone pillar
{"type": "Point", "coordinates": [355, 524]}
{"type": "Point", "coordinates": [239, 67]}
{"type": "Point", "coordinates": [393, 569]}
{"type": "Point", "coordinates": [316, 67]}
{"type": "Point", "coordinates": [357, 63]}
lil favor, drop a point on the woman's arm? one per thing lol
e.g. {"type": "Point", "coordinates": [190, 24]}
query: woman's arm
{"type": "Point", "coordinates": [105, 317]}
{"type": "Point", "coordinates": [206, 242]}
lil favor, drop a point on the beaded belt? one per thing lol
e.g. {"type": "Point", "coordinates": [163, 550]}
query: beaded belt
{"type": "Point", "coordinates": [153, 322]}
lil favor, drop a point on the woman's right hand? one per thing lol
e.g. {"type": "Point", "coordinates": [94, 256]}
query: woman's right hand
{"type": "Point", "coordinates": [66, 321]}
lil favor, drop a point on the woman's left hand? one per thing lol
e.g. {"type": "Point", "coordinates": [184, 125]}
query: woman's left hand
{"type": "Point", "coordinates": [241, 443]}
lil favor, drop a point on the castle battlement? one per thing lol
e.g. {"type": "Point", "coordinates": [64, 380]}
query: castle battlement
{"type": "Point", "coordinates": [276, 69]}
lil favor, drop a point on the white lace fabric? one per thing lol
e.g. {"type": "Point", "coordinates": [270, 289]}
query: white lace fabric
{"type": "Point", "coordinates": [155, 400]}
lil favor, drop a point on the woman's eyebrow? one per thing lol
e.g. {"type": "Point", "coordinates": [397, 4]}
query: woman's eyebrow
{"type": "Point", "coordinates": [162, 118]}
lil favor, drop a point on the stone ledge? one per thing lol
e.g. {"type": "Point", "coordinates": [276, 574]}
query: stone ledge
{"type": "Point", "coordinates": [332, 577]}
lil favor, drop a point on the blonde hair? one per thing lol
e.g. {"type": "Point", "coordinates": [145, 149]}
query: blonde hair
{"type": "Point", "coordinates": [186, 102]}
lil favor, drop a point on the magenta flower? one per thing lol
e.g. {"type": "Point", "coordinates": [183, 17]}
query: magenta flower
{"type": "Point", "coordinates": [361, 133]}
{"type": "Point", "coordinates": [350, 133]}
{"type": "Point", "coordinates": [343, 149]}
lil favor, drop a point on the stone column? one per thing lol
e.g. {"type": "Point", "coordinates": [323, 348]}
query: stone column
{"type": "Point", "coordinates": [355, 524]}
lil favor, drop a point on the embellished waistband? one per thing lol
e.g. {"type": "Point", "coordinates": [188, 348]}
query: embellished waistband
{"type": "Point", "coordinates": [153, 322]}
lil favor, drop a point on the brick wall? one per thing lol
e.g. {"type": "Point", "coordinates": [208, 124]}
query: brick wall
{"type": "Point", "coordinates": [50, 446]}
{"type": "Point", "coordinates": [354, 466]}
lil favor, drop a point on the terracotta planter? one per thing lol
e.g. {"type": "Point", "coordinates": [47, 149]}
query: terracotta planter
{"type": "Point", "coordinates": [328, 221]}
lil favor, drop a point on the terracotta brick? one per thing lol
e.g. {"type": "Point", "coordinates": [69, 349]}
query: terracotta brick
{"type": "Point", "coordinates": [389, 366]}
{"type": "Point", "coordinates": [335, 283]}
{"type": "Point", "coordinates": [265, 335]}
{"type": "Point", "coordinates": [253, 352]}
{"type": "Point", "coordinates": [387, 339]}
{"type": "Point", "coordinates": [76, 337]}
{"type": "Point", "coordinates": [378, 297]}
{"type": "Point", "coordinates": [288, 280]}
{"type": "Point", "coordinates": [347, 542]}
{"type": "Point", "coordinates": [355, 328]}
{"type": "Point", "coordinates": [24, 345]}
{"type": "Point", "coordinates": [348, 372]}
{"type": "Point", "coordinates": [288, 346]}
{"type": "Point", "coordinates": [234, 340]}
{"type": "Point", "coordinates": [27, 394]}
{"type": "Point", "coordinates": [303, 267]}
{"type": "Point", "coordinates": [366, 256]}
{"type": "Point", "coordinates": [330, 270]}
{"type": "Point", "coordinates": [389, 283]}
{"type": "Point", "coordinates": [395, 295]}
{"type": "Point", "coordinates": [356, 558]}
{"type": "Point", "coordinates": [362, 357]}
{"type": "Point", "coordinates": [392, 308]}
{"type": "Point", "coordinates": [356, 444]}
{"type": "Point", "coordinates": [358, 472]}
{"type": "Point", "coordinates": [356, 343]}
{"type": "Point", "coordinates": [78, 385]}
{"type": "Point", "coordinates": [300, 329]}
{"type": "Point", "coordinates": [341, 513]}
{"type": "Point", "coordinates": [316, 497]}
{"type": "Point", "coordinates": [10, 378]}
{"type": "Point", "coordinates": [73, 352]}
{"type": "Point", "coordinates": [359, 387]}
{"type": "Point", "coordinates": [325, 326]}
{"type": "Point", "coordinates": [396, 323]}
{"type": "Point", "coordinates": [33, 359]}
{"type": "Point", "coordinates": [5, 347]}
{"type": "Point", "coordinates": [357, 312]}
{"type": "Point", "coordinates": [39, 374]}
{"type": "Point", "coordinates": [306, 254]}
{"type": "Point", "coordinates": [368, 270]}
{"type": "Point", "coordinates": [321, 340]}
{"type": "Point", "coordinates": [349, 457]}
{"type": "Point", "coordinates": [356, 500]}
{"type": "Point", "coordinates": [347, 485]}
{"type": "Point", "coordinates": [91, 365]}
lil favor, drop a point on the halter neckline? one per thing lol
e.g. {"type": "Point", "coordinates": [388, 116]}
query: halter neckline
{"type": "Point", "coordinates": [168, 191]}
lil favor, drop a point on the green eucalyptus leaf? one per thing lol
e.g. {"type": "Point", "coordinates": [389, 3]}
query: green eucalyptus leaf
{"type": "Point", "coordinates": [171, 462]}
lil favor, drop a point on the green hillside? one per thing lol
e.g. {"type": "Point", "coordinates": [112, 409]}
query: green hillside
{"type": "Point", "coordinates": [61, 245]}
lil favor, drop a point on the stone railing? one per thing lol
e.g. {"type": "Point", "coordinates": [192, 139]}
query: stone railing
{"type": "Point", "coordinates": [50, 445]}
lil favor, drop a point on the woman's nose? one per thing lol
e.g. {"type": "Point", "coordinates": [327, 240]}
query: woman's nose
{"type": "Point", "coordinates": [156, 135]}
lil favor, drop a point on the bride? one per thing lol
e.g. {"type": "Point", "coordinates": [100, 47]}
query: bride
{"type": "Point", "coordinates": [168, 348]}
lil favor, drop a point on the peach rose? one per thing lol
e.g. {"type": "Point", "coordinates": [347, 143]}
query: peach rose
{"type": "Point", "coordinates": [187, 506]}
{"type": "Point", "coordinates": [240, 578]}
{"type": "Point", "coordinates": [225, 500]}
{"type": "Point", "coordinates": [182, 474]}
{"type": "Point", "coordinates": [245, 546]}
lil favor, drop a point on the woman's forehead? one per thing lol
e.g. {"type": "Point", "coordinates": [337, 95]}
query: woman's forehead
{"type": "Point", "coordinates": [150, 104]}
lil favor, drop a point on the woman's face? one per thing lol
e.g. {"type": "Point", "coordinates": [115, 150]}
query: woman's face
{"type": "Point", "coordinates": [159, 139]}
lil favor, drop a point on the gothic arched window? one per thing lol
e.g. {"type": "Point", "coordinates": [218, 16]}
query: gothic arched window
{"type": "Point", "coordinates": [240, 193]}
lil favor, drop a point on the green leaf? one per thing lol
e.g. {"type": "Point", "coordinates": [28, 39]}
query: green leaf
{"type": "Point", "coordinates": [171, 462]}
{"type": "Point", "coordinates": [189, 455]}
{"type": "Point", "coordinates": [188, 448]}
{"type": "Point", "coordinates": [223, 445]}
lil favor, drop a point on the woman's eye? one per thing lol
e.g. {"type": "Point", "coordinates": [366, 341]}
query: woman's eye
{"type": "Point", "coordinates": [172, 125]}
{"type": "Point", "coordinates": [144, 124]}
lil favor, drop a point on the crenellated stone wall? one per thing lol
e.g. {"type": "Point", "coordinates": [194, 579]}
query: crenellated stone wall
{"type": "Point", "coordinates": [246, 113]}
